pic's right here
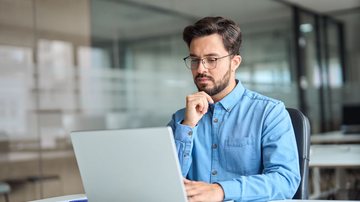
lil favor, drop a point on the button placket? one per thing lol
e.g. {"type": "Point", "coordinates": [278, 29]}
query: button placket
{"type": "Point", "coordinates": [215, 129]}
{"type": "Point", "coordinates": [190, 133]}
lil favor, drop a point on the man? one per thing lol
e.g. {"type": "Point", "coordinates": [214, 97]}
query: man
{"type": "Point", "coordinates": [232, 143]}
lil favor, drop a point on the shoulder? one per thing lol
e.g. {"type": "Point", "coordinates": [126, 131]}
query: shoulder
{"type": "Point", "coordinates": [261, 101]}
{"type": "Point", "coordinates": [263, 104]}
{"type": "Point", "coordinates": [260, 98]}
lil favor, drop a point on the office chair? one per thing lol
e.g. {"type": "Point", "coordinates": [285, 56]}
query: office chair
{"type": "Point", "coordinates": [5, 190]}
{"type": "Point", "coordinates": [302, 133]}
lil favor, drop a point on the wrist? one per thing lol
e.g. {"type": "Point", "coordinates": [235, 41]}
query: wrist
{"type": "Point", "coordinates": [219, 191]}
{"type": "Point", "coordinates": [192, 125]}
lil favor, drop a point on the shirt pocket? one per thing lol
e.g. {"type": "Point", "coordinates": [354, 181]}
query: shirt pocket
{"type": "Point", "coordinates": [239, 156]}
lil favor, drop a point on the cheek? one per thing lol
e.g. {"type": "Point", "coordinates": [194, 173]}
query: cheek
{"type": "Point", "coordinates": [194, 73]}
{"type": "Point", "coordinates": [218, 75]}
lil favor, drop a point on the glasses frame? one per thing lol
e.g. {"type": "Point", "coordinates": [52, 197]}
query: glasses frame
{"type": "Point", "coordinates": [202, 60]}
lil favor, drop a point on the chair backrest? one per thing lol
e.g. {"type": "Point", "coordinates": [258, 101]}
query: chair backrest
{"type": "Point", "coordinates": [302, 132]}
{"type": "Point", "coordinates": [5, 190]}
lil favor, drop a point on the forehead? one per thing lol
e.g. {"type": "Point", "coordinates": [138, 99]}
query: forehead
{"type": "Point", "coordinates": [207, 45]}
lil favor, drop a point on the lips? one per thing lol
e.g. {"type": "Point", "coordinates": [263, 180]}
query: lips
{"type": "Point", "coordinates": [203, 78]}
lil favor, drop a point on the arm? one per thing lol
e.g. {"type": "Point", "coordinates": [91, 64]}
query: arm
{"type": "Point", "coordinates": [280, 177]}
{"type": "Point", "coordinates": [184, 126]}
{"type": "Point", "coordinates": [196, 191]}
{"type": "Point", "coordinates": [183, 136]}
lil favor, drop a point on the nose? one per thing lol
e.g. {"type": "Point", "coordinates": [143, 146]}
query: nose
{"type": "Point", "coordinates": [201, 67]}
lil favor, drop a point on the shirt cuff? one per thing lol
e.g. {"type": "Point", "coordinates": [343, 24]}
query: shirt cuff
{"type": "Point", "coordinates": [232, 190]}
{"type": "Point", "coordinates": [184, 133]}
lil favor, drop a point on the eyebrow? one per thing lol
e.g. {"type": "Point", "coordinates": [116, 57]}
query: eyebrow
{"type": "Point", "coordinates": [207, 55]}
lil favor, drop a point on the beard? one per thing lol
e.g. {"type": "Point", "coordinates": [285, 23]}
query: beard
{"type": "Point", "coordinates": [219, 85]}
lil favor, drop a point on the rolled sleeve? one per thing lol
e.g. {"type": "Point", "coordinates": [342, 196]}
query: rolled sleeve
{"type": "Point", "coordinates": [232, 189]}
{"type": "Point", "coordinates": [184, 137]}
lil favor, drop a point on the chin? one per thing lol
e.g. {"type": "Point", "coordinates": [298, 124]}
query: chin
{"type": "Point", "coordinates": [203, 88]}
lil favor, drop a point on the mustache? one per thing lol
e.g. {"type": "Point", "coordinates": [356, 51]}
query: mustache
{"type": "Point", "coordinates": [203, 76]}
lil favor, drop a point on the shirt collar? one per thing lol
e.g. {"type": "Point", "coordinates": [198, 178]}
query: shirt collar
{"type": "Point", "coordinates": [233, 97]}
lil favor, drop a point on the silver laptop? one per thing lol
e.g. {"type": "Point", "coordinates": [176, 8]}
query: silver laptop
{"type": "Point", "coordinates": [129, 165]}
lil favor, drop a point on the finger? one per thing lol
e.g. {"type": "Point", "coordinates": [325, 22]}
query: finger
{"type": "Point", "coordinates": [200, 95]}
{"type": "Point", "coordinates": [189, 190]}
{"type": "Point", "coordinates": [190, 199]}
{"type": "Point", "coordinates": [189, 187]}
{"type": "Point", "coordinates": [186, 181]}
{"type": "Point", "coordinates": [192, 99]}
{"type": "Point", "coordinates": [202, 103]}
{"type": "Point", "coordinates": [208, 97]}
{"type": "Point", "coordinates": [195, 198]}
{"type": "Point", "coordinates": [206, 105]}
{"type": "Point", "coordinates": [200, 106]}
{"type": "Point", "coordinates": [194, 188]}
{"type": "Point", "coordinates": [192, 191]}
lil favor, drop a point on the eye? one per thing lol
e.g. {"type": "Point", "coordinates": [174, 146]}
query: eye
{"type": "Point", "coordinates": [194, 60]}
{"type": "Point", "coordinates": [211, 60]}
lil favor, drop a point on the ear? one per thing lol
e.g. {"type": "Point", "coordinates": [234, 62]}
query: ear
{"type": "Point", "coordinates": [236, 61]}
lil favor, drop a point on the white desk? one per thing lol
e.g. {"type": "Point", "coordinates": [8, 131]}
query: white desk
{"type": "Point", "coordinates": [332, 156]}
{"type": "Point", "coordinates": [82, 196]}
{"type": "Point", "coordinates": [63, 198]}
{"type": "Point", "coordinates": [310, 201]}
{"type": "Point", "coordinates": [335, 137]}
{"type": "Point", "coordinates": [17, 165]}
{"type": "Point", "coordinates": [321, 156]}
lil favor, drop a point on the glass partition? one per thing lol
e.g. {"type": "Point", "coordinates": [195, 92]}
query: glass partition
{"type": "Point", "coordinates": [106, 64]}
{"type": "Point", "coordinates": [311, 82]}
{"type": "Point", "coordinates": [267, 59]}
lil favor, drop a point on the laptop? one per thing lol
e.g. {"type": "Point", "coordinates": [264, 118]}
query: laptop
{"type": "Point", "coordinates": [351, 119]}
{"type": "Point", "coordinates": [129, 165]}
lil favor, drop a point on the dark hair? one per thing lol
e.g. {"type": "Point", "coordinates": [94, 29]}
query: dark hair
{"type": "Point", "coordinates": [226, 28]}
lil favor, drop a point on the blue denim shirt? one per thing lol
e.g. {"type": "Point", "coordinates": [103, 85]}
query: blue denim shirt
{"type": "Point", "coordinates": [245, 143]}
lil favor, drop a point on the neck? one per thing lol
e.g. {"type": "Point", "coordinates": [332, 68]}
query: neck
{"type": "Point", "coordinates": [224, 92]}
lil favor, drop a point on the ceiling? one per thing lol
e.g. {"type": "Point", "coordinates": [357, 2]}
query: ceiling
{"type": "Point", "coordinates": [158, 17]}
{"type": "Point", "coordinates": [116, 19]}
{"type": "Point", "coordinates": [326, 6]}
{"type": "Point", "coordinates": [136, 18]}
{"type": "Point", "coordinates": [244, 7]}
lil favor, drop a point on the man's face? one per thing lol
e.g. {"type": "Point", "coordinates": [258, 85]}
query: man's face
{"type": "Point", "coordinates": [215, 80]}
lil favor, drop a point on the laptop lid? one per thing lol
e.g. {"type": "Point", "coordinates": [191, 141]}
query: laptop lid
{"type": "Point", "coordinates": [351, 119]}
{"type": "Point", "coordinates": [129, 165]}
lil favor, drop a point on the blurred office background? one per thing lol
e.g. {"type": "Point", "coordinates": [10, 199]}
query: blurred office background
{"type": "Point", "coordinates": [106, 64]}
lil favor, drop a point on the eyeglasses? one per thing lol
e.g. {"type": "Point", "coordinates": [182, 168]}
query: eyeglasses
{"type": "Point", "coordinates": [209, 62]}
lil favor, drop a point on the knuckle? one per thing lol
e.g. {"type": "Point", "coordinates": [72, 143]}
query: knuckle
{"type": "Point", "coordinates": [188, 98]}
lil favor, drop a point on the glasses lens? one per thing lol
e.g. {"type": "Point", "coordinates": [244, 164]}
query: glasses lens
{"type": "Point", "coordinates": [191, 63]}
{"type": "Point", "coordinates": [210, 62]}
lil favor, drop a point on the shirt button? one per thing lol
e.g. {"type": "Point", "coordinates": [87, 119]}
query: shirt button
{"type": "Point", "coordinates": [214, 146]}
{"type": "Point", "coordinates": [190, 133]}
{"type": "Point", "coordinates": [214, 172]}
{"type": "Point", "coordinates": [215, 120]}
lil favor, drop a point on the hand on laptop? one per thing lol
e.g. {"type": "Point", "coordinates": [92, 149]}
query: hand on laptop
{"type": "Point", "coordinates": [201, 191]}
{"type": "Point", "coordinates": [196, 106]}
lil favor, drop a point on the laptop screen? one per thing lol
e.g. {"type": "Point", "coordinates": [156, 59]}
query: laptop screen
{"type": "Point", "coordinates": [351, 115]}
{"type": "Point", "coordinates": [351, 119]}
{"type": "Point", "coordinates": [129, 165]}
